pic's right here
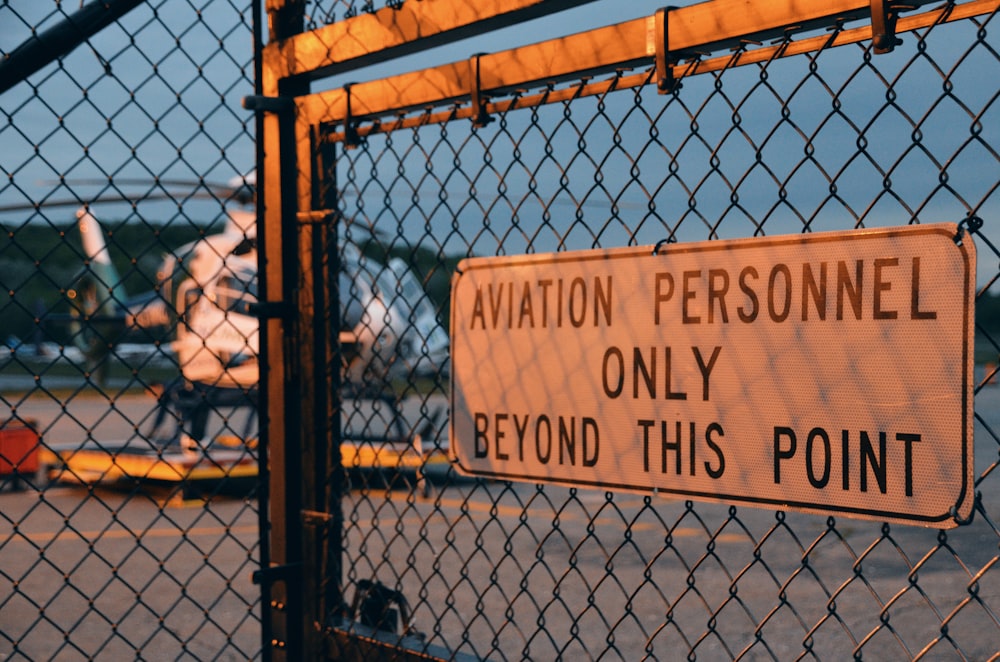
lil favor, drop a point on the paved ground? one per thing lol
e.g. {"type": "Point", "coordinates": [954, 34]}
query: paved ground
{"type": "Point", "coordinates": [511, 570]}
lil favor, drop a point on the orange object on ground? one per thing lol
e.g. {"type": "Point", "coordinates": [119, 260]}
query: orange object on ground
{"type": "Point", "coordinates": [18, 448]}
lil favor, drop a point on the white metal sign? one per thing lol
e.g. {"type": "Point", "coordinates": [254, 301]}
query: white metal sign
{"type": "Point", "coordinates": [829, 372]}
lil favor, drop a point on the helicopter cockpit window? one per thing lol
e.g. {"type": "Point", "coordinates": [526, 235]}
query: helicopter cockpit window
{"type": "Point", "coordinates": [236, 292]}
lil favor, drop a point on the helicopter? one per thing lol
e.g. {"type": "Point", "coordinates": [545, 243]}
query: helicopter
{"type": "Point", "coordinates": [202, 310]}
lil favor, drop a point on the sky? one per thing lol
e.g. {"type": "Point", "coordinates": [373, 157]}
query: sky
{"type": "Point", "coordinates": [170, 108]}
{"type": "Point", "coordinates": [171, 105]}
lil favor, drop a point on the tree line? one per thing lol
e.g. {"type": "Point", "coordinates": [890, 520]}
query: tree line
{"type": "Point", "coordinates": [39, 262]}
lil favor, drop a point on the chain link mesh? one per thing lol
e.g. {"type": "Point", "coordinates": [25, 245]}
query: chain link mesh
{"type": "Point", "coordinates": [129, 524]}
{"type": "Point", "coordinates": [834, 139]}
{"type": "Point", "coordinates": [111, 568]}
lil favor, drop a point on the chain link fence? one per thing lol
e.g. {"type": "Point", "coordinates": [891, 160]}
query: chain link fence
{"type": "Point", "coordinates": [131, 495]}
{"type": "Point", "coordinates": [797, 128]}
{"type": "Point", "coordinates": [129, 524]}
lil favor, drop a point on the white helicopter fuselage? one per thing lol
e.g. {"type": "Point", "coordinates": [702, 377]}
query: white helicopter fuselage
{"type": "Point", "coordinates": [207, 291]}
{"type": "Point", "coordinates": [217, 339]}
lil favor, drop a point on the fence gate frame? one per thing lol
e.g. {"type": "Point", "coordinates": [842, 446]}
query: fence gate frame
{"type": "Point", "coordinates": [299, 134]}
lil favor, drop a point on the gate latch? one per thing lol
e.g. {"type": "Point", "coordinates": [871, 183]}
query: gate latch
{"type": "Point", "coordinates": [275, 573]}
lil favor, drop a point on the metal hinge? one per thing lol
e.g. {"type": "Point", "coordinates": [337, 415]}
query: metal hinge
{"type": "Point", "coordinates": [262, 104]}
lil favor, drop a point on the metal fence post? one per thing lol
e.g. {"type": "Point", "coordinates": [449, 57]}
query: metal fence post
{"type": "Point", "coordinates": [281, 384]}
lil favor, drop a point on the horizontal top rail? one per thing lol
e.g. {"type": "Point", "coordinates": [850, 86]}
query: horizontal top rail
{"type": "Point", "coordinates": [691, 32]}
{"type": "Point", "coordinates": [393, 32]}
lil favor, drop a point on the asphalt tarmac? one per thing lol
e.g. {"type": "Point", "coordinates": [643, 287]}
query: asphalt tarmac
{"type": "Point", "coordinates": [497, 570]}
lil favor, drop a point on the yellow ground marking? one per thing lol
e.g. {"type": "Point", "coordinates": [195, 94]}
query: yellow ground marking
{"type": "Point", "coordinates": [48, 537]}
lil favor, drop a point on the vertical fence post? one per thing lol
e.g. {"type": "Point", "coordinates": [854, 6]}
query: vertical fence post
{"type": "Point", "coordinates": [263, 466]}
{"type": "Point", "coordinates": [329, 474]}
{"type": "Point", "coordinates": [280, 383]}
{"type": "Point", "coordinates": [318, 373]}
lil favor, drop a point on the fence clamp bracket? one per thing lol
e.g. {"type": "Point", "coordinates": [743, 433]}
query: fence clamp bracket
{"type": "Point", "coordinates": [665, 61]}
{"type": "Point", "coordinates": [884, 16]}
{"type": "Point", "coordinates": [480, 117]}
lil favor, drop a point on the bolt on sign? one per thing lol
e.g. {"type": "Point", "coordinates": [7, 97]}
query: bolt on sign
{"type": "Point", "coordinates": [826, 372]}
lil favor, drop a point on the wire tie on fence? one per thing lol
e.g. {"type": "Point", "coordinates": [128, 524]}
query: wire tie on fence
{"type": "Point", "coordinates": [741, 47]}
{"type": "Point", "coordinates": [351, 137]}
{"type": "Point", "coordinates": [663, 242]}
{"type": "Point", "coordinates": [787, 35]}
{"type": "Point", "coordinates": [971, 224]}
{"type": "Point", "coordinates": [480, 117]}
{"type": "Point", "coordinates": [977, 503]}
{"type": "Point", "coordinates": [104, 63]}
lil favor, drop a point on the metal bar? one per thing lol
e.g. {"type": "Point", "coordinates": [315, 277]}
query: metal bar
{"type": "Point", "coordinates": [553, 60]}
{"type": "Point", "coordinates": [943, 14]}
{"type": "Point", "coordinates": [319, 378]}
{"type": "Point", "coordinates": [711, 26]}
{"type": "Point", "coordinates": [329, 474]}
{"type": "Point", "coordinates": [278, 269]}
{"type": "Point", "coordinates": [393, 32]}
{"type": "Point", "coordinates": [313, 421]}
{"type": "Point", "coordinates": [310, 349]}
{"type": "Point", "coordinates": [268, 605]}
{"type": "Point", "coordinates": [695, 30]}
{"type": "Point", "coordinates": [40, 50]}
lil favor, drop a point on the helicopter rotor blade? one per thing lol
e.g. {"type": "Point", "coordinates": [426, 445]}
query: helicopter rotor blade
{"type": "Point", "coordinates": [78, 202]}
{"type": "Point", "coordinates": [159, 182]}
{"type": "Point", "coordinates": [241, 188]}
